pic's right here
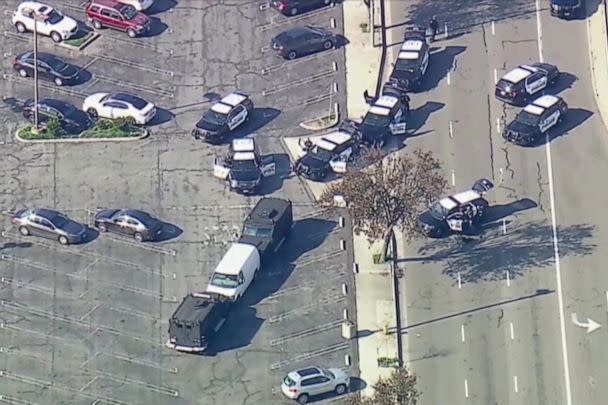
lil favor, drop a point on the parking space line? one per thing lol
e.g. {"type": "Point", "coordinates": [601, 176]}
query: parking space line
{"type": "Point", "coordinates": [63, 90]}
{"type": "Point", "coordinates": [44, 336]}
{"type": "Point", "coordinates": [307, 332]}
{"type": "Point", "coordinates": [18, 37]}
{"type": "Point", "coordinates": [299, 61]}
{"type": "Point", "coordinates": [130, 359]}
{"type": "Point", "coordinates": [134, 86]}
{"type": "Point", "coordinates": [333, 298]}
{"type": "Point", "coordinates": [137, 43]}
{"type": "Point", "coordinates": [15, 401]}
{"type": "Point", "coordinates": [135, 65]}
{"type": "Point", "coordinates": [290, 20]}
{"type": "Point", "coordinates": [299, 82]}
{"type": "Point", "coordinates": [71, 7]}
{"type": "Point", "coordinates": [318, 258]}
{"type": "Point", "coordinates": [316, 99]}
{"type": "Point", "coordinates": [53, 386]}
{"type": "Point", "coordinates": [122, 379]}
{"type": "Point", "coordinates": [144, 246]}
{"type": "Point", "coordinates": [307, 356]}
{"type": "Point", "coordinates": [89, 63]}
{"type": "Point", "coordinates": [18, 351]}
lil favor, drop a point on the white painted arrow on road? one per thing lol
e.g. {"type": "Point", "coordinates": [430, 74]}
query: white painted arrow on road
{"type": "Point", "coordinates": [591, 325]}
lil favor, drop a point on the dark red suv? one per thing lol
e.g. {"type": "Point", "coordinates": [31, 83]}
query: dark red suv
{"type": "Point", "coordinates": [113, 14]}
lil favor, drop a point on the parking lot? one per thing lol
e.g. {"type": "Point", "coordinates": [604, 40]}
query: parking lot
{"type": "Point", "coordinates": [86, 324]}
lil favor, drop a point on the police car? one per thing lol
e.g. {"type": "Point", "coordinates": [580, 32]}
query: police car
{"type": "Point", "coordinates": [385, 117]}
{"type": "Point", "coordinates": [566, 8]}
{"type": "Point", "coordinates": [526, 82]}
{"type": "Point", "coordinates": [244, 167]}
{"type": "Point", "coordinates": [535, 120]}
{"type": "Point", "coordinates": [331, 152]}
{"type": "Point", "coordinates": [460, 212]}
{"type": "Point", "coordinates": [412, 61]}
{"type": "Point", "coordinates": [223, 117]}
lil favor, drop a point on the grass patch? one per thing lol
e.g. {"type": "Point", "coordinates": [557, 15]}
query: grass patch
{"type": "Point", "coordinates": [364, 27]}
{"type": "Point", "coordinates": [101, 129]}
{"type": "Point", "coordinates": [377, 257]}
{"type": "Point", "coordinates": [387, 362]}
{"type": "Point", "coordinates": [328, 118]}
{"type": "Point", "coordinates": [80, 38]}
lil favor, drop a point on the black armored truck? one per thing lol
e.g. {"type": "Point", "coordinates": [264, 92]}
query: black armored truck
{"type": "Point", "coordinates": [268, 225]}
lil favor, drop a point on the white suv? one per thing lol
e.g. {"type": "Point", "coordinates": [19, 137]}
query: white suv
{"type": "Point", "coordinates": [49, 21]}
{"type": "Point", "coordinates": [307, 382]}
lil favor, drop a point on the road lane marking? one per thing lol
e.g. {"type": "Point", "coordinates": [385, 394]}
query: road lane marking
{"type": "Point", "coordinates": [504, 226]}
{"type": "Point", "coordinates": [495, 76]}
{"type": "Point", "coordinates": [466, 388]}
{"type": "Point", "coordinates": [459, 281]}
{"type": "Point", "coordinates": [451, 130]}
{"type": "Point", "coordinates": [493, 28]}
{"type": "Point", "coordinates": [512, 331]}
{"type": "Point", "coordinates": [448, 78]}
{"type": "Point", "coordinates": [508, 278]}
{"type": "Point", "coordinates": [560, 298]}
{"type": "Point", "coordinates": [498, 125]}
{"type": "Point", "coordinates": [606, 300]}
{"type": "Point", "coordinates": [502, 176]}
{"type": "Point", "coordinates": [462, 333]}
{"type": "Point", "coordinates": [515, 386]}
{"type": "Point", "coordinates": [453, 177]}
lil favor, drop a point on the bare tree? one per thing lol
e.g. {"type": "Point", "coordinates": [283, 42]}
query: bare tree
{"type": "Point", "coordinates": [389, 193]}
{"type": "Point", "coordinates": [398, 389]}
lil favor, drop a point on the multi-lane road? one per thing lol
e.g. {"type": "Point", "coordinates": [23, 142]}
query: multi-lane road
{"type": "Point", "coordinates": [490, 321]}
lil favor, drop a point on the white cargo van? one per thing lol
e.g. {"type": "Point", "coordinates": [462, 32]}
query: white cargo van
{"type": "Point", "coordinates": [235, 271]}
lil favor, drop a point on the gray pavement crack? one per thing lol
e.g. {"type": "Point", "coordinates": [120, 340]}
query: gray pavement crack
{"type": "Point", "coordinates": [500, 317]}
{"type": "Point", "coordinates": [541, 188]}
{"type": "Point", "coordinates": [521, 41]}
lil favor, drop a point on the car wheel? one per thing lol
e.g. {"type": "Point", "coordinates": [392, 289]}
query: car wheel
{"type": "Point", "coordinates": [97, 25]}
{"type": "Point", "coordinates": [22, 72]}
{"type": "Point", "coordinates": [340, 389]}
{"type": "Point", "coordinates": [102, 227]}
{"type": "Point", "coordinates": [56, 37]}
{"type": "Point", "coordinates": [130, 121]}
{"type": "Point", "coordinates": [138, 237]}
{"type": "Point", "coordinates": [63, 240]}
{"type": "Point", "coordinates": [131, 33]}
{"type": "Point", "coordinates": [294, 11]}
{"type": "Point", "coordinates": [328, 44]}
{"type": "Point", "coordinates": [92, 113]}
{"type": "Point", "coordinates": [58, 81]}
{"type": "Point", "coordinates": [23, 230]}
{"type": "Point", "coordinates": [292, 55]}
{"type": "Point", "coordinates": [20, 27]}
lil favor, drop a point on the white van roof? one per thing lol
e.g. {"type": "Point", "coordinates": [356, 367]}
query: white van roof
{"type": "Point", "coordinates": [235, 259]}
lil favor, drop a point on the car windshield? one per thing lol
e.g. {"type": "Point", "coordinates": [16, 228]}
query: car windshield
{"type": "Point", "coordinates": [322, 154]}
{"type": "Point", "coordinates": [328, 373]}
{"type": "Point", "coordinates": [243, 165]}
{"type": "Point", "coordinates": [406, 64]}
{"type": "Point", "coordinates": [128, 11]}
{"type": "Point", "coordinates": [54, 17]}
{"type": "Point", "coordinates": [249, 230]}
{"type": "Point", "coordinates": [289, 382]}
{"type": "Point", "coordinates": [438, 211]}
{"type": "Point", "coordinates": [376, 120]}
{"type": "Point", "coordinates": [526, 118]}
{"type": "Point", "coordinates": [214, 117]}
{"type": "Point", "coordinates": [224, 280]}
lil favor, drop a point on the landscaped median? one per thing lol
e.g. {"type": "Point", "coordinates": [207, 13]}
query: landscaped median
{"type": "Point", "coordinates": [101, 131]}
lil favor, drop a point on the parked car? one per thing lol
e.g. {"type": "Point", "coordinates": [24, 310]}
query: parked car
{"type": "Point", "coordinates": [140, 225]}
{"type": "Point", "coordinates": [412, 60]}
{"type": "Point", "coordinates": [331, 152]}
{"type": "Point", "coordinates": [566, 9]}
{"type": "Point", "coordinates": [134, 109]}
{"type": "Point", "coordinates": [50, 67]}
{"type": "Point", "coordinates": [50, 224]}
{"type": "Point", "coordinates": [71, 118]}
{"type": "Point", "coordinates": [119, 16]}
{"type": "Point", "coordinates": [304, 40]}
{"type": "Point", "coordinates": [294, 7]}
{"type": "Point", "coordinates": [48, 21]}
{"type": "Point", "coordinates": [535, 120]}
{"type": "Point", "coordinates": [235, 272]}
{"type": "Point", "coordinates": [386, 116]}
{"type": "Point", "coordinates": [139, 5]}
{"type": "Point", "coordinates": [224, 116]}
{"type": "Point", "coordinates": [311, 381]}
{"type": "Point", "coordinates": [268, 225]}
{"type": "Point", "coordinates": [526, 82]}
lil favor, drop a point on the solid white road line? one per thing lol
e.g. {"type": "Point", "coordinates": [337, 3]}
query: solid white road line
{"type": "Point", "coordinates": [451, 130]}
{"type": "Point", "coordinates": [560, 298]}
{"type": "Point", "coordinates": [606, 300]}
{"type": "Point", "coordinates": [453, 178]}
{"type": "Point", "coordinates": [504, 226]}
{"type": "Point", "coordinates": [459, 281]}
{"type": "Point", "coordinates": [497, 125]}
{"type": "Point", "coordinates": [462, 333]}
{"type": "Point", "coordinates": [495, 76]}
{"type": "Point", "coordinates": [466, 388]}
{"type": "Point", "coordinates": [512, 331]}
{"type": "Point", "coordinates": [448, 78]}
{"type": "Point", "coordinates": [502, 174]}
{"type": "Point", "coordinates": [508, 278]}
{"type": "Point", "coordinates": [493, 28]}
{"type": "Point", "coordinates": [515, 386]}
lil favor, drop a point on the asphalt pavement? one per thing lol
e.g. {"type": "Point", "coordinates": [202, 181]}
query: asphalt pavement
{"type": "Point", "coordinates": [487, 321]}
{"type": "Point", "coordinates": [87, 323]}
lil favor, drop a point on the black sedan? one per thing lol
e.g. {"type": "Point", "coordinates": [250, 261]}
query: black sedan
{"type": "Point", "coordinates": [71, 118]}
{"type": "Point", "coordinates": [304, 40]}
{"type": "Point", "coordinates": [50, 67]}
{"type": "Point", "coordinates": [140, 225]}
{"type": "Point", "coordinates": [49, 224]}
{"type": "Point", "coordinates": [294, 7]}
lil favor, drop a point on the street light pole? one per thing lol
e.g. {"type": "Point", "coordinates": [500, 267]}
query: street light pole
{"type": "Point", "coordinates": [36, 73]}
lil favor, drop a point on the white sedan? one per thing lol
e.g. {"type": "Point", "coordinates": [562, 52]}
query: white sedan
{"type": "Point", "coordinates": [49, 21]}
{"type": "Point", "coordinates": [119, 105]}
{"type": "Point", "coordinates": [140, 5]}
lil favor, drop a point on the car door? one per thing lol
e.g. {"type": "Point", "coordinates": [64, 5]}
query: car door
{"type": "Point", "coordinates": [117, 109]}
{"type": "Point", "coordinates": [236, 117]}
{"type": "Point", "coordinates": [119, 225]}
{"type": "Point", "coordinates": [536, 82]}
{"type": "Point", "coordinates": [321, 385]}
{"type": "Point", "coordinates": [220, 169]}
{"type": "Point", "coordinates": [45, 71]}
{"type": "Point", "coordinates": [47, 229]}
{"type": "Point", "coordinates": [108, 17]}
{"type": "Point", "coordinates": [133, 226]}
{"type": "Point", "coordinates": [268, 166]}
{"type": "Point", "coordinates": [550, 119]}
{"type": "Point", "coordinates": [45, 114]}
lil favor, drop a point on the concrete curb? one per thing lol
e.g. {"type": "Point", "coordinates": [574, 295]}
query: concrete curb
{"type": "Point", "coordinates": [81, 140]}
{"type": "Point", "coordinates": [323, 127]}
{"type": "Point", "coordinates": [597, 38]}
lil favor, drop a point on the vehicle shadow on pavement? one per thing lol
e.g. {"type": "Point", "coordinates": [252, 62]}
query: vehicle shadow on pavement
{"type": "Point", "coordinates": [160, 6]}
{"type": "Point", "coordinates": [168, 231]}
{"type": "Point", "coordinates": [516, 249]}
{"type": "Point", "coordinates": [283, 172]}
{"type": "Point", "coordinates": [500, 211]}
{"type": "Point", "coordinates": [90, 235]}
{"type": "Point", "coordinates": [162, 116]}
{"type": "Point", "coordinates": [84, 76]}
{"type": "Point", "coordinates": [573, 118]}
{"type": "Point", "coordinates": [440, 64]}
{"type": "Point", "coordinates": [259, 118]}
{"type": "Point", "coordinates": [238, 331]}
{"type": "Point", "coordinates": [14, 104]}
{"type": "Point", "coordinates": [566, 80]}
{"type": "Point", "coordinates": [420, 115]}
{"type": "Point", "coordinates": [157, 27]}
{"type": "Point", "coordinates": [15, 245]}
{"type": "Point", "coordinates": [589, 8]}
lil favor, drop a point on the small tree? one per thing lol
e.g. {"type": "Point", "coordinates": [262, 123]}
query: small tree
{"type": "Point", "coordinates": [53, 127]}
{"type": "Point", "coordinates": [398, 389]}
{"type": "Point", "coordinates": [389, 193]}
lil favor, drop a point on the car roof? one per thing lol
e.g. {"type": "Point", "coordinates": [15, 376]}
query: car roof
{"type": "Point", "coordinates": [35, 6]}
{"type": "Point", "coordinates": [546, 101]}
{"type": "Point", "coordinates": [412, 45]}
{"type": "Point", "coordinates": [221, 108]}
{"type": "Point", "coordinates": [244, 156]}
{"type": "Point", "coordinates": [56, 104]}
{"type": "Point", "coordinates": [534, 109]}
{"type": "Point", "coordinates": [386, 101]}
{"type": "Point", "coordinates": [465, 196]}
{"type": "Point", "coordinates": [46, 213]}
{"type": "Point", "coordinates": [243, 145]}
{"type": "Point", "coordinates": [298, 375]}
{"type": "Point", "coordinates": [135, 101]}
{"type": "Point", "coordinates": [193, 308]}
{"type": "Point", "coordinates": [235, 258]}
{"type": "Point", "coordinates": [109, 3]}
{"type": "Point", "coordinates": [139, 215]}
{"type": "Point", "coordinates": [326, 144]}
{"type": "Point", "coordinates": [234, 99]}
{"type": "Point", "coordinates": [44, 56]}
{"type": "Point", "coordinates": [267, 210]}
{"type": "Point", "coordinates": [337, 137]}
{"type": "Point", "coordinates": [408, 55]}
{"type": "Point", "coordinates": [448, 203]}
{"type": "Point", "coordinates": [378, 110]}
{"type": "Point", "coordinates": [517, 75]}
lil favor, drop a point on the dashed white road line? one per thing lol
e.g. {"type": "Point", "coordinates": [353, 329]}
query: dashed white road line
{"type": "Point", "coordinates": [515, 385]}
{"type": "Point", "coordinates": [459, 281]}
{"type": "Point", "coordinates": [512, 331]}
{"type": "Point", "coordinates": [606, 300]}
{"type": "Point", "coordinates": [453, 177]}
{"type": "Point", "coordinates": [493, 28]}
{"type": "Point", "coordinates": [466, 388]}
{"type": "Point", "coordinates": [497, 125]}
{"type": "Point", "coordinates": [462, 336]}
{"type": "Point", "coordinates": [504, 226]}
{"type": "Point", "coordinates": [448, 78]}
{"type": "Point", "coordinates": [451, 129]}
{"type": "Point", "coordinates": [508, 273]}
{"type": "Point", "coordinates": [495, 76]}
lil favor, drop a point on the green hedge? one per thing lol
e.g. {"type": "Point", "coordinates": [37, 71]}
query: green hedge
{"type": "Point", "coordinates": [101, 129]}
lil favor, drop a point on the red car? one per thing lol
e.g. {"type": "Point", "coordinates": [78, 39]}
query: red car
{"type": "Point", "coordinates": [117, 15]}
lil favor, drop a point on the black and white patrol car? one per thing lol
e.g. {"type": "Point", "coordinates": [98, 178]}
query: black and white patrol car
{"type": "Point", "coordinates": [244, 167]}
{"type": "Point", "coordinates": [526, 82]}
{"type": "Point", "coordinates": [223, 117]}
{"type": "Point", "coordinates": [535, 120]}
{"type": "Point", "coordinates": [412, 61]}
{"type": "Point", "coordinates": [331, 152]}
{"type": "Point", "coordinates": [461, 212]}
{"type": "Point", "coordinates": [385, 117]}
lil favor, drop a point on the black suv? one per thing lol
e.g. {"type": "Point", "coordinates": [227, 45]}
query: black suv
{"type": "Point", "coordinates": [412, 60]}
{"type": "Point", "coordinates": [525, 82]}
{"type": "Point", "coordinates": [268, 225]}
{"type": "Point", "coordinates": [50, 67]}
{"type": "Point", "coordinates": [460, 212]}
{"type": "Point", "coordinates": [535, 120]}
{"type": "Point", "coordinates": [223, 117]}
{"type": "Point", "coordinates": [72, 119]}
{"type": "Point", "coordinates": [293, 7]}
{"type": "Point", "coordinates": [385, 117]}
{"type": "Point", "coordinates": [566, 8]}
{"type": "Point", "coordinates": [329, 153]}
